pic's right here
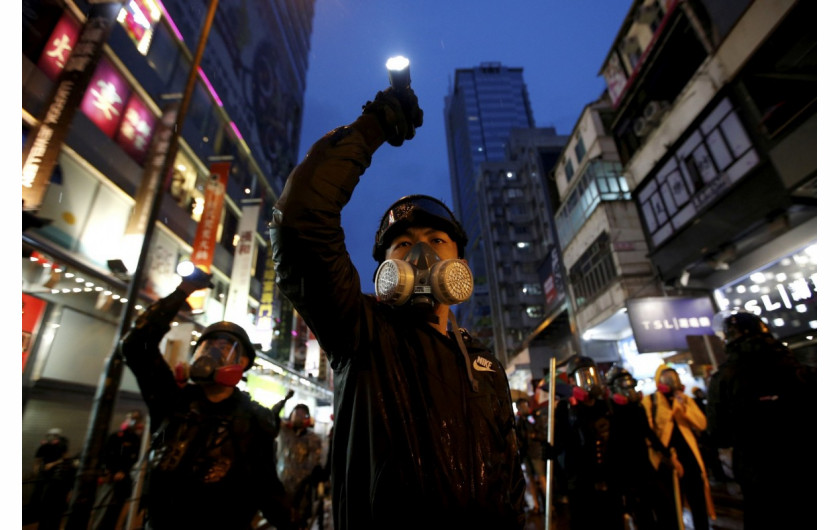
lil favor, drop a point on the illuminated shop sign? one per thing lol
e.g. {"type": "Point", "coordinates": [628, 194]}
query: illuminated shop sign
{"type": "Point", "coordinates": [662, 323]}
{"type": "Point", "coordinates": [783, 294]}
{"type": "Point", "coordinates": [135, 131]}
{"type": "Point", "coordinates": [106, 98]}
{"type": "Point", "coordinates": [139, 18]}
{"type": "Point", "coordinates": [716, 155]}
{"type": "Point", "coordinates": [59, 45]}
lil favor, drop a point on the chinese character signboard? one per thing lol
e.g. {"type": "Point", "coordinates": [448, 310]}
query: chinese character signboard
{"type": "Point", "coordinates": [106, 97]}
{"type": "Point", "coordinates": [135, 131]}
{"type": "Point", "coordinates": [43, 144]}
{"type": "Point", "coordinates": [662, 324]}
{"type": "Point", "coordinates": [204, 245]}
{"type": "Point", "coordinates": [57, 51]}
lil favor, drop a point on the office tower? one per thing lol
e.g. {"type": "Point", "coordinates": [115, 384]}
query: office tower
{"type": "Point", "coordinates": [484, 104]}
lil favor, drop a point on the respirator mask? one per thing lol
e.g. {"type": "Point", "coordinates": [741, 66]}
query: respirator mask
{"type": "Point", "coordinates": [624, 390]}
{"type": "Point", "coordinates": [423, 280]}
{"type": "Point", "coordinates": [216, 360]}
{"type": "Point", "coordinates": [669, 382]}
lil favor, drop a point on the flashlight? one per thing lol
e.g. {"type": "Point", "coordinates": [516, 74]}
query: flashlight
{"type": "Point", "coordinates": [398, 73]}
{"type": "Point", "coordinates": [188, 271]}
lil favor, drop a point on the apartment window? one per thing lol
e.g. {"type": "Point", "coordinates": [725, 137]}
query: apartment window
{"type": "Point", "coordinates": [580, 150]}
{"type": "Point", "coordinates": [570, 171]}
{"type": "Point", "coordinates": [531, 288]}
{"type": "Point", "coordinates": [599, 181]}
{"type": "Point", "coordinates": [593, 271]}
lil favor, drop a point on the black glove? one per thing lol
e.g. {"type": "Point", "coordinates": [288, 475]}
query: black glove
{"type": "Point", "coordinates": [398, 113]}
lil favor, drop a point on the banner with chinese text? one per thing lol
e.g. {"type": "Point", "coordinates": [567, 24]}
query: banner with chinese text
{"type": "Point", "coordinates": [236, 309]}
{"type": "Point", "coordinates": [204, 245]}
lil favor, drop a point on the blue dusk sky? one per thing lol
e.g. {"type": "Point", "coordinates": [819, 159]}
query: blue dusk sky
{"type": "Point", "coordinates": [560, 44]}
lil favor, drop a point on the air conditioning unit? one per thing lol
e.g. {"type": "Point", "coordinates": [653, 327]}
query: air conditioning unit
{"type": "Point", "coordinates": [641, 127]}
{"type": "Point", "coordinates": [655, 109]}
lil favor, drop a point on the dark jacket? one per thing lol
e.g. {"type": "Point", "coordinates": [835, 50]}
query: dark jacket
{"type": "Point", "coordinates": [211, 465]}
{"type": "Point", "coordinates": [762, 403]}
{"type": "Point", "coordinates": [416, 446]}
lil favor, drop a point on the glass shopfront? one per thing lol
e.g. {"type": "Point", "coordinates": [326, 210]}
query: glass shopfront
{"type": "Point", "coordinates": [784, 294]}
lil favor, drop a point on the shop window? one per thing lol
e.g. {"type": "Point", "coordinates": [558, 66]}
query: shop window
{"type": "Point", "coordinates": [593, 271]}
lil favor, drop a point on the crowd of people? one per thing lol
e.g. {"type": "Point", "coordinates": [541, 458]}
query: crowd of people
{"type": "Point", "coordinates": [623, 456]}
{"type": "Point", "coordinates": [424, 422]}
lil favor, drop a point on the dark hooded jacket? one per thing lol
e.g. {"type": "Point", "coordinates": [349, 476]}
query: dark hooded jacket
{"type": "Point", "coordinates": [762, 402]}
{"type": "Point", "coordinates": [416, 445]}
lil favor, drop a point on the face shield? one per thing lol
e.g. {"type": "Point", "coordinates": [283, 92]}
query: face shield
{"type": "Point", "coordinates": [587, 383]}
{"type": "Point", "coordinates": [216, 360]}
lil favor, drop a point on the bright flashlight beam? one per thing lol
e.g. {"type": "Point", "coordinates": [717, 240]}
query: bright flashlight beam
{"type": "Point", "coordinates": [396, 63]}
{"type": "Point", "coordinates": [399, 74]}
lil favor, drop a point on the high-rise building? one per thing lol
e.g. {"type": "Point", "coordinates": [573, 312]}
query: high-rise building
{"type": "Point", "coordinates": [485, 103]}
{"type": "Point", "coordinates": [98, 82]}
{"type": "Point", "coordinates": [517, 200]}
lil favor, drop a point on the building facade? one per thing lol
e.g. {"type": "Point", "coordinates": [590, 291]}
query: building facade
{"type": "Point", "coordinates": [714, 120]}
{"type": "Point", "coordinates": [484, 104]}
{"type": "Point", "coordinates": [238, 142]}
{"type": "Point", "coordinates": [525, 281]}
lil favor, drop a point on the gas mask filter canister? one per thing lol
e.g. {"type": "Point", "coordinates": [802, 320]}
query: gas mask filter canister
{"type": "Point", "coordinates": [423, 279]}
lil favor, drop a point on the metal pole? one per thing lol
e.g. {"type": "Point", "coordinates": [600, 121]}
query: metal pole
{"type": "Point", "coordinates": [549, 466]}
{"type": "Point", "coordinates": [84, 491]}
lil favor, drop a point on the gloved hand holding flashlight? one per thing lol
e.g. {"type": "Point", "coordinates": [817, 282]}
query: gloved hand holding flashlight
{"type": "Point", "coordinates": [396, 108]}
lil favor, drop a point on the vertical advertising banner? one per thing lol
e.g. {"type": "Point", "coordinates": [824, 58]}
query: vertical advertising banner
{"type": "Point", "coordinates": [204, 246]}
{"type": "Point", "coordinates": [236, 309]}
{"type": "Point", "coordinates": [43, 144]}
{"type": "Point", "coordinates": [265, 316]}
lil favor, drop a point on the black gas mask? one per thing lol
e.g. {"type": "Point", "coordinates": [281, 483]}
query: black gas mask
{"type": "Point", "coordinates": [216, 360]}
{"type": "Point", "coordinates": [423, 280]}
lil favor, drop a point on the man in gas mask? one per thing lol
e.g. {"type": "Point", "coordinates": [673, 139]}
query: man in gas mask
{"type": "Point", "coordinates": [211, 460]}
{"type": "Point", "coordinates": [424, 424]}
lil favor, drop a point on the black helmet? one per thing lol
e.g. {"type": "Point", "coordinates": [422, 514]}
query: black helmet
{"type": "Point", "coordinates": [616, 373]}
{"type": "Point", "coordinates": [583, 372]}
{"type": "Point", "coordinates": [622, 383]}
{"type": "Point", "coordinates": [236, 331]}
{"type": "Point", "coordinates": [743, 323]}
{"type": "Point", "coordinates": [414, 210]}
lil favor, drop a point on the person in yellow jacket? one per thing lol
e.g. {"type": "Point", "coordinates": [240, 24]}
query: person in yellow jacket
{"type": "Point", "coordinates": [666, 408]}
